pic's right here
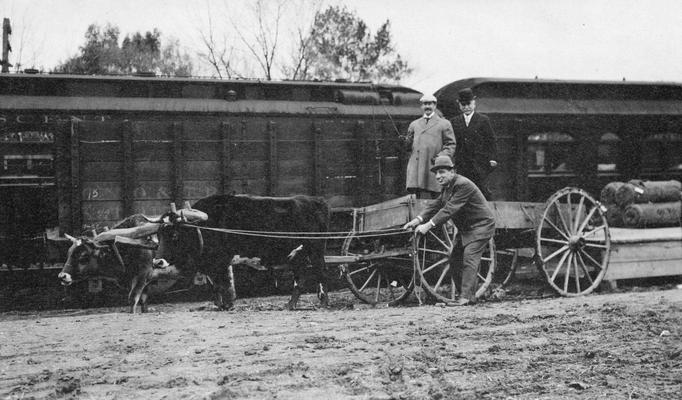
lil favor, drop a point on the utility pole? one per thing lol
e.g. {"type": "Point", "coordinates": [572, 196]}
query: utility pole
{"type": "Point", "coordinates": [6, 48]}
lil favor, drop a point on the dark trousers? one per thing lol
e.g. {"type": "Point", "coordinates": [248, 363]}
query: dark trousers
{"type": "Point", "coordinates": [465, 261]}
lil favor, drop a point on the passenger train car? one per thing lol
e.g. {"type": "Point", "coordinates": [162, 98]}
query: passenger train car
{"type": "Point", "coordinates": [551, 134]}
{"type": "Point", "coordinates": [82, 152]}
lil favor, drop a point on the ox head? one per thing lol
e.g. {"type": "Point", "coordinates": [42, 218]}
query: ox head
{"type": "Point", "coordinates": [84, 258]}
{"type": "Point", "coordinates": [179, 241]}
{"type": "Point", "coordinates": [100, 256]}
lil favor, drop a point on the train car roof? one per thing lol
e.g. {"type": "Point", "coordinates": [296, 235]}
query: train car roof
{"type": "Point", "coordinates": [544, 96]}
{"type": "Point", "coordinates": [130, 93]}
{"type": "Point", "coordinates": [166, 105]}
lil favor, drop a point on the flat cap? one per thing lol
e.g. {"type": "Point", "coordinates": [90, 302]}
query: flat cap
{"type": "Point", "coordinates": [428, 98]}
{"type": "Point", "coordinates": [442, 162]}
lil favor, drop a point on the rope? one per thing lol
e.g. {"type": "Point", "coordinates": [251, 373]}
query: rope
{"type": "Point", "coordinates": [304, 235]}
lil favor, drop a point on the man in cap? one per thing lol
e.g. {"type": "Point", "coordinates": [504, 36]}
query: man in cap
{"type": "Point", "coordinates": [476, 150]}
{"type": "Point", "coordinates": [463, 203]}
{"type": "Point", "coordinates": [429, 136]}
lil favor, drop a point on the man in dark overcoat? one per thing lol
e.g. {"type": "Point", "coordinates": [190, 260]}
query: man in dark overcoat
{"type": "Point", "coordinates": [476, 151]}
{"type": "Point", "coordinates": [462, 202]}
{"type": "Point", "coordinates": [429, 136]}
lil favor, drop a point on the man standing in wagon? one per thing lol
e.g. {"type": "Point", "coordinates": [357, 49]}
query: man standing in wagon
{"type": "Point", "coordinates": [430, 136]}
{"type": "Point", "coordinates": [463, 203]}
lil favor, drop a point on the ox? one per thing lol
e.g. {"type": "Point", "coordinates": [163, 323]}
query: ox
{"type": "Point", "coordinates": [211, 251]}
{"type": "Point", "coordinates": [117, 255]}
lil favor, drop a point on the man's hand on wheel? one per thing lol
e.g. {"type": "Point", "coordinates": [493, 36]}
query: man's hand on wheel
{"type": "Point", "coordinates": [424, 228]}
{"type": "Point", "coordinates": [408, 226]}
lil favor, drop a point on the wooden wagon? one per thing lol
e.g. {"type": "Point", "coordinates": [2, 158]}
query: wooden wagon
{"type": "Point", "coordinates": [569, 233]}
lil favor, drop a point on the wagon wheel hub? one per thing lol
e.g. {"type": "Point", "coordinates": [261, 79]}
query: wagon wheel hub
{"type": "Point", "coordinates": [576, 242]}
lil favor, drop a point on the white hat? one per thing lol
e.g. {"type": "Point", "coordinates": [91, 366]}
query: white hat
{"type": "Point", "coordinates": [428, 98]}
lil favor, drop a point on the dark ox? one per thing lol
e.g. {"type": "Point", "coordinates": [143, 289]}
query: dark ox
{"type": "Point", "coordinates": [211, 252]}
{"type": "Point", "coordinates": [128, 262]}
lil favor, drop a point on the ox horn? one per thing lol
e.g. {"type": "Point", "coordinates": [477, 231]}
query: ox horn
{"type": "Point", "coordinates": [137, 232]}
{"type": "Point", "coordinates": [72, 239]}
{"type": "Point", "coordinates": [192, 216]}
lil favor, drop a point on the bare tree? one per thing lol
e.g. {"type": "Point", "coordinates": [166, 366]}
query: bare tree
{"type": "Point", "coordinates": [262, 43]}
{"type": "Point", "coordinates": [298, 65]}
{"type": "Point", "coordinates": [24, 40]}
{"type": "Point", "coordinates": [263, 38]}
{"type": "Point", "coordinates": [218, 54]}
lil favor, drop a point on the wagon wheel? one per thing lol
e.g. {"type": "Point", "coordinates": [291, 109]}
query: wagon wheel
{"type": "Point", "coordinates": [573, 243]}
{"type": "Point", "coordinates": [432, 263]}
{"type": "Point", "coordinates": [387, 280]}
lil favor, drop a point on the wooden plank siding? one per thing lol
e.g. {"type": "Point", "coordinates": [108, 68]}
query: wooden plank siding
{"type": "Point", "coordinates": [140, 166]}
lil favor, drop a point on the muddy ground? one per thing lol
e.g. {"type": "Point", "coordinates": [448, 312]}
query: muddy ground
{"type": "Point", "coordinates": [617, 345]}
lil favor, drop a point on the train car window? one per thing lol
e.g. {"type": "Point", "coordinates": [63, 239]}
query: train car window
{"type": "Point", "coordinates": [662, 152]}
{"type": "Point", "coordinates": [550, 153]}
{"type": "Point", "coordinates": [607, 153]}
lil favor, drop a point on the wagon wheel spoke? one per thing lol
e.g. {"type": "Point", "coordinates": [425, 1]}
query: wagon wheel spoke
{"type": "Point", "coordinates": [378, 288]}
{"type": "Point", "coordinates": [361, 269]}
{"type": "Point", "coordinates": [442, 243]}
{"type": "Point", "coordinates": [559, 265]}
{"type": "Point", "coordinates": [556, 228]}
{"type": "Point", "coordinates": [434, 251]}
{"type": "Point", "coordinates": [584, 268]}
{"type": "Point", "coordinates": [374, 271]}
{"type": "Point", "coordinates": [577, 215]}
{"type": "Point", "coordinates": [587, 219]}
{"type": "Point", "coordinates": [434, 265]}
{"type": "Point", "coordinates": [569, 264]}
{"type": "Point", "coordinates": [570, 212]}
{"type": "Point", "coordinates": [556, 253]}
{"type": "Point", "coordinates": [442, 275]}
{"type": "Point", "coordinates": [481, 277]}
{"type": "Point", "coordinates": [589, 257]}
{"type": "Point", "coordinates": [598, 246]}
{"type": "Point", "coordinates": [577, 273]}
{"type": "Point", "coordinates": [561, 242]}
{"type": "Point", "coordinates": [595, 230]}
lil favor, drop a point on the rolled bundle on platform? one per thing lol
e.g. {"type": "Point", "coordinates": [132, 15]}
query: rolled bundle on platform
{"type": "Point", "coordinates": [651, 215]}
{"type": "Point", "coordinates": [614, 216]}
{"type": "Point", "coordinates": [608, 194]}
{"type": "Point", "coordinates": [636, 191]}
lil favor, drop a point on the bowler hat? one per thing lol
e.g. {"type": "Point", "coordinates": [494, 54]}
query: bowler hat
{"type": "Point", "coordinates": [466, 95]}
{"type": "Point", "coordinates": [428, 98]}
{"type": "Point", "coordinates": [442, 162]}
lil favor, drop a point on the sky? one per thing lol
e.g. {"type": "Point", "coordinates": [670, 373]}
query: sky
{"type": "Point", "coordinates": [443, 40]}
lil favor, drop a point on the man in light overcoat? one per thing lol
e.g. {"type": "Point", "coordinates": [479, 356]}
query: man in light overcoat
{"type": "Point", "coordinates": [430, 136]}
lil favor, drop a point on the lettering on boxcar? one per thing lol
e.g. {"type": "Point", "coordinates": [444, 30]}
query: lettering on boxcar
{"type": "Point", "coordinates": [27, 137]}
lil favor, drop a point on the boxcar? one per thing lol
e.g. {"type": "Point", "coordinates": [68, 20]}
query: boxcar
{"type": "Point", "coordinates": [82, 152]}
{"type": "Point", "coordinates": [552, 134]}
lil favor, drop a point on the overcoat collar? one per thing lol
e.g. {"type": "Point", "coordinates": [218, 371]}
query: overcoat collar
{"type": "Point", "coordinates": [431, 123]}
